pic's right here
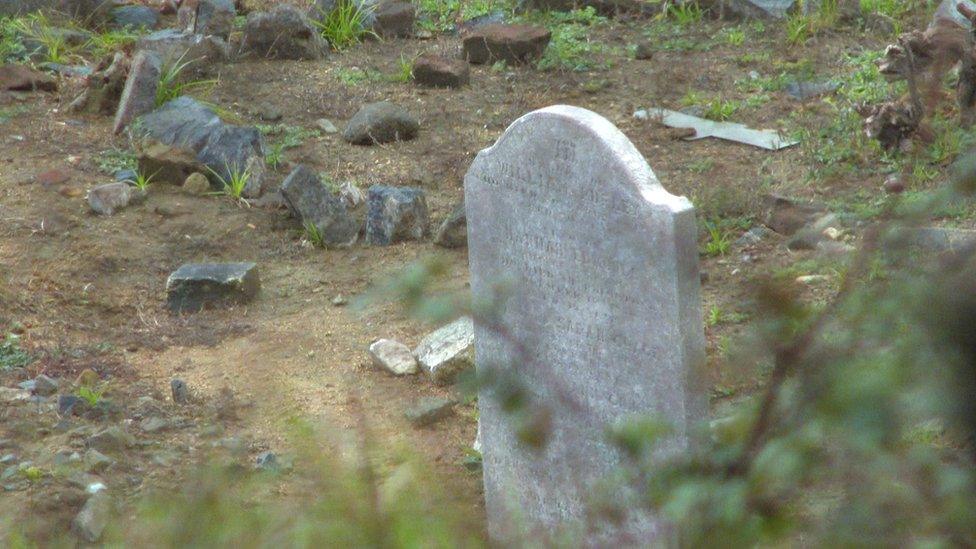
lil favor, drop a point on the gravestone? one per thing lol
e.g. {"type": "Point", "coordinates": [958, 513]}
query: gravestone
{"type": "Point", "coordinates": [602, 315]}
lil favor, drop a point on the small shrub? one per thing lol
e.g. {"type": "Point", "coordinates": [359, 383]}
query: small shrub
{"type": "Point", "coordinates": [686, 13]}
{"type": "Point", "coordinates": [172, 84]}
{"type": "Point", "coordinates": [313, 234]}
{"type": "Point", "coordinates": [90, 395]}
{"type": "Point", "coordinates": [234, 185]}
{"type": "Point", "coordinates": [11, 355]}
{"type": "Point", "coordinates": [142, 181]}
{"type": "Point", "coordinates": [344, 26]}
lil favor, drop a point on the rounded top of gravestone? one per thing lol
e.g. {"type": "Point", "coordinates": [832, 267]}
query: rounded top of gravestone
{"type": "Point", "coordinates": [606, 143]}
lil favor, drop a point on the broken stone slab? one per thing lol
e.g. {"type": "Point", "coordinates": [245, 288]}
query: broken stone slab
{"type": "Point", "coordinates": [220, 150]}
{"type": "Point", "coordinates": [195, 286]}
{"type": "Point", "coordinates": [395, 214]}
{"type": "Point", "coordinates": [282, 33]}
{"type": "Point", "coordinates": [434, 71]}
{"type": "Point", "coordinates": [766, 139]}
{"type": "Point", "coordinates": [447, 351]}
{"type": "Point", "coordinates": [90, 522]}
{"type": "Point", "coordinates": [179, 391]}
{"type": "Point", "coordinates": [394, 19]}
{"type": "Point", "coordinates": [804, 90]}
{"type": "Point", "coordinates": [201, 53]}
{"type": "Point", "coordinates": [514, 44]}
{"type": "Point", "coordinates": [139, 95]}
{"type": "Point", "coordinates": [45, 386]}
{"type": "Point", "coordinates": [381, 122]}
{"type": "Point", "coordinates": [393, 356]}
{"type": "Point", "coordinates": [23, 78]}
{"type": "Point", "coordinates": [108, 198]}
{"type": "Point", "coordinates": [429, 410]}
{"type": "Point", "coordinates": [135, 17]}
{"type": "Point", "coordinates": [313, 203]}
{"type": "Point", "coordinates": [453, 232]}
{"type": "Point", "coordinates": [208, 17]}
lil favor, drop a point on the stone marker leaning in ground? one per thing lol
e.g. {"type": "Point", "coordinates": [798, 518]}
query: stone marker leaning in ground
{"type": "Point", "coordinates": [602, 319]}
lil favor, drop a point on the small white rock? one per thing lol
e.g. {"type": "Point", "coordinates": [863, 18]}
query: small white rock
{"type": "Point", "coordinates": [393, 356]}
{"type": "Point", "coordinates": [447, 351]}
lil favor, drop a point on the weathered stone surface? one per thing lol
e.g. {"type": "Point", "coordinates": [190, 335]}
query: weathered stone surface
{"type": "Point", "coordinates": [434, 71]}
{"type": "Point", "coordinates": [219, 149]}
{"type": "Point", "coordinates": [453, 232]}
{"type": "Point", "coordinates": [600, 264]}
{"type": "Point", "coordinates": [514, 44]}
{"type": "Point", "coordinates": [282, 33]}
{"type": "Point", "coordinates": [24, 78]}
{"type": "Point", "coordinates": [208, 17]}
{"type": "Point", "coordinates": [393, 356]}
{"type": "Point", "coordinates": [195, 286]}
{"type": "Point", "coordinates": [103, 88]}
{"type": "Point", "coordinates": [87, 11]}
{"type": "Point", "coordinates": [395, 214]}
{"type": "Point", "coordinates": [91, 521]}
{"type": "Point", "coordinates": [108, 198]}
{"type": "Point", "coordinates": [201, 52]}
{"type": "Point", "coordinates": [394, 19]}
{"type": "Point", "coordinates": [96, 461]}
{"type": "Point", "coordinates": [429, 410]}
{"type": "Point", "coordinates": [197, 184]}
{"type": "Point", "coordinates": [135, 17]}
{"type": "Point", "coordinates": [180, 391]}
{"type": "Point", "coordinates": [311, 202]}
{"type": "Point", "coordinates": [45, 386]}
{"type": "Point", "coordinates": [112, 439]}
{"type": "Point", "coordinates": [381, 122]}
{"type": "Point", "coordinates": [139, 94]}
{"type": "Point", "coordinates": [802, 90]}
{"type": "Point", "coordinates": [447, 351]}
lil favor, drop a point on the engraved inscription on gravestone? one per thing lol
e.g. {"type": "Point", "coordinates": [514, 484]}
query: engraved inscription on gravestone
{"type": "Point", "coordinates": [601, 268]}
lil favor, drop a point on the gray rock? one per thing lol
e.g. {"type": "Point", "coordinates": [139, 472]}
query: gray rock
{"type": "Point", "coordinates": [209, 17]}
{"type": "Point", "coordinates": [126, 175]}
{"type": "Point", "coordinates": [170, 164]}
{"type": "Point", "coordinates": [282, 33]}
{"type": "Point", "coordinates": [752, 237]}
{"type": "Point", "coordinates": [268, 461]}
{"type": "Point", "coordinates": [104, 87]}
{"type": "Point", "coordinates": [760, 9]}
{"type": "Point", "coordinates": [67, 404]}
{"type": "Point", "coordinates": [202, 53]}
{"type": "Point", "coordinates": [496, 17]}
{"type": "Point", "coordinates": [195, 286]}
{"type": "Point", "coordinates": [448, 351]}
{"type": "Point", "coordinates": [938, 239]}
{"type": "Point", "coordinates": [326, 125]}
{"type": "Point", "coordinates": [453, 232]}
{"type": "Point", "coordinates": [429, 410]}
{"type": "Point", "coordinates": [96, 461]}
{"type": "Point", "coordinates": [91, 521]}
{"type": "Point", "coordinates": [804, 90]}
{"type": "Point", "coordinates": [812, 234]}
{"type": "Point", "coordinates": [221, 148]}
{"type": "Point", "coordinates": [393, 356]}
{"type": "Point", "coordinates": [313, 203]}
{"type": "Point", "coordinates": [395, 214]}
{"type": "Point", "coordinates": [45, 386]}
{"type": "Point", "coordinates": [139, 95]}
{"type": "Point", "coordinates": [108, 198]}
{"type": "Point", "coordinates": [135, 17]}
{"type": "Point", "coordinates": [154, 424]}
{"type": "Point", "coordinates": [112, 439]}
{"type": "Point", "coordinates": [381, 122]}
{"type": "Point", "coordinates": [197, 184]}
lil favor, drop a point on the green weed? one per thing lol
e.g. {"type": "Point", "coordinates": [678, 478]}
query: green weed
{"type": "Point", "coordinates": [345, 25]}
{"type": "Point", "coordinates": [404, 71]}
{"type": "Point", "coordinates": [735, 36]}
{"type": "Point", "coordinates": [90, 395]}
{"type": "Point", "coordinates": [571, 47]}
{"type": "Point", "coordinates": [718, 242]}
{"type": "Point", "coordinates": [11, 355]}
{"type": "Point", "coordinates": [314, 235]}
{"type": "Point", "coordinates": [686, 13]}
{"type": "Point", "coordinates": [111, 41]}
{"type": "Point", "coordinates": [114, 160]}
{"type": "Point", "coordinates": [142, 181]}
{"type": "Point", "coordinates": [234, 185]}
{"type": "Point", "coordinates": [172, 83]}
